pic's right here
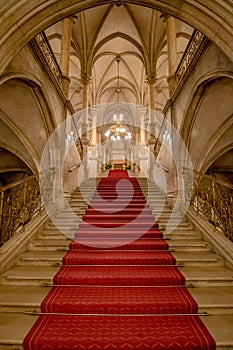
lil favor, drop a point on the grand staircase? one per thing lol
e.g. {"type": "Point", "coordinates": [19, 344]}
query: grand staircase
{"type": "Point", "coordinates": [24, 286]}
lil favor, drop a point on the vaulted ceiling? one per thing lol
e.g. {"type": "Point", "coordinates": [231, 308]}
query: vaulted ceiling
{"type": "Point", "coordinates": [136, 36]}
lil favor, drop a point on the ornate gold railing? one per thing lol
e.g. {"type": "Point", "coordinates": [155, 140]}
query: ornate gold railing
{"type": "Point", "coordinates": [22, 200]}
{"type": "Point", "coordinates": [196, 45]}
{"type": "Point", "coordinates": [211, 197]}
{"type": "Point", "coordinates": [47, 52]}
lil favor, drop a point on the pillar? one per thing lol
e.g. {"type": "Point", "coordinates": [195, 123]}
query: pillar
{"type": "Point", "coordinates": [65, 53]}
{"type": "Point", "coordinates": [94, 113]}
{"type": "Point", "coordinates": [170, 23]}
{"type": "Point", "coordinates": [150, 79]}
{"type": "Point", "coordinates": [85, 81]}
{"type": "Point", "coordinates": [142, 113]}
{"type": "Point", "coordinates": [136, 153]}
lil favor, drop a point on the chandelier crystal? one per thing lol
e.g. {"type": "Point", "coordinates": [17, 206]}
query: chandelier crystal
{"type": "Point", "coordinates": [117, 131]}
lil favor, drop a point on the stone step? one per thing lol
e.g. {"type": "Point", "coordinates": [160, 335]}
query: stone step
{"type": "Point", "coordinates": [198, 258]}
{"type": "Point", "coordinates": [208, 276]}
{"type": "Point", "coordinates": [69, 220]}
{"type": "Point", "coordinates": [189, 245]}
{"type": "Point", "coordinates": [176, 230]}
{"type": "Point", "coordinates": [176, 244]}
{"type": "Point", "coordinates": [28, 298]}
{"type": "Point", "coordinates": [49, 258]}
{"type": "Point", "coordinates": [29, 275]}
{"type": "Point", "coordinates": [53, 234]}
{"type": "Point", "coordinates": [63, 225]}
{"type": "Point", "coordinates": [193, 235]}
{"type": "Point", "coordinates": [175, 223]}
{"type": "Point", "coordinates": [214, 300]}
{"type": "Point", "coordinates": [37, 275]}
{"type": "Point", "coordinates": [13, 329]}
{"type": "Point", "coordinates": [220, 326]}
{"type": "Point", "coordinates": [52, 244]}
{"type": "Point", "coordinates": [41, 258]}
{"type": "Point", "coordinates": [15, 298]}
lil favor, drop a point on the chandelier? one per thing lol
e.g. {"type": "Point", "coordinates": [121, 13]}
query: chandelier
{"type": "Point", "coordinates": [117, 131]}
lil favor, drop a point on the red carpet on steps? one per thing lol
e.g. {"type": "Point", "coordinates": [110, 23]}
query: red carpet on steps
{"type": "Point", "coordinates": [118, 287]}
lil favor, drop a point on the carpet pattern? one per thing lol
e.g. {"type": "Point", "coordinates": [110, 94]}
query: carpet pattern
{"type": "Point", "coordinates": [119, 287]}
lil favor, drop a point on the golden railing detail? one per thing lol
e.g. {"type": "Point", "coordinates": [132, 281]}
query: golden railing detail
{"type": "Point", "coordinates": [47, 52]}
{"type": "Point", "coordinates": [211, 197]}
{"type": "Point", "coordinates": [196, 45]}
{"type": "Point", "coordinates": [22, 200]}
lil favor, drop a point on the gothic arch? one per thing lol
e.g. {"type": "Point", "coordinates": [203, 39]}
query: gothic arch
{"type": "Point", "coordinates": [27, 148]}
{"type": "Point", "coordinates": [212, 143]}
{"type": "Point", "coordinates": [29, 18]}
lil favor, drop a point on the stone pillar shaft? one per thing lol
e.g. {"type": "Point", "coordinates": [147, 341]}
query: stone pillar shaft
{"type": "Point", "coordinates": [65, 52]}
{"type": "Point", "coordinates": [85, 80]}
{"type": "Point", "coordinates": [172, 50]}
{"type": "Point", "coordinates": [142, 114]}
{"type": "Point", "coordinates": [151, 81]}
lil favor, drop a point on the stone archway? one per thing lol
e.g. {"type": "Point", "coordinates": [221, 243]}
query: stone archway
{"type": "Point", "coordinates": [28, 18]}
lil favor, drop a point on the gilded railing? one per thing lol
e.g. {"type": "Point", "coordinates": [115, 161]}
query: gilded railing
{"type": "Point", "coordinates": [22, 200]}
{"type": "Point", "coordinates": [194, 49]}
{"type": "Point", "coordinates": [212, 198]}
{"type": "Point", "coordinates": [48, 54]}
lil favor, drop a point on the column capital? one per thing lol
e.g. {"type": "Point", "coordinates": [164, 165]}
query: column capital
{"type": "Point", "coordinates": [143, 111]}
{"type": "Point", "coordinates": [164, 16]}
{"type": "Point", "coordinates": [94, 111]}
{"type": "Point", "coordinates": [73, 18]}
{"type": "Point", "coordinates": [85, 78]}
{"type": "Point", "coordinates": [151, 78]}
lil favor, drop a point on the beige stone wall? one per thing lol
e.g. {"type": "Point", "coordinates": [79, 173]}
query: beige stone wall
{"type": "Point", "coordinates": [32, 106]}
{"type": "Point", "coordinates": [204, 106]}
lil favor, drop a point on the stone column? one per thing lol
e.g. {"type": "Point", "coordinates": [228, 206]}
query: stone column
{"type": "Point", "coordinates": [93, 159]}
{"type": "Point", "coordinates": [143, 152]}
{"type": "Point", "coordinates": [86, 81]}
{"type": "Point", "coordinates": [150, 79]}
{"type": "Point", "coordinates": [94, 113]}
{"type": "Point", "coordinates": [65, 53]}
{"type": "Point", "coordinates": [136, 150]}
{"type": "Point", "coordinates": [152, 139]}
{"type": "Point", "coordinates": [142, 113]}
{"type": "Point", "coordinates": [170, 23]}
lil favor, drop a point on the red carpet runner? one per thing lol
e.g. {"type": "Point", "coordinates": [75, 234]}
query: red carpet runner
{"type": "Point", "coordinates": [118, 288]}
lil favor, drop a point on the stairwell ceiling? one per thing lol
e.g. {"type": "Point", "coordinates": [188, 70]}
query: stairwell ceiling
{"type": "Point", "coordinates": [138, 35]}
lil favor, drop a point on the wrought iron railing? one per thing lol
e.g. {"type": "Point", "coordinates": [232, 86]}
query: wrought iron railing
{"type": "Point", "coordinates": [197, 43]}
{"type": "Point", "coordinates": [22, 200]}
{"type": "Point", "coordinates": [212, 198]}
